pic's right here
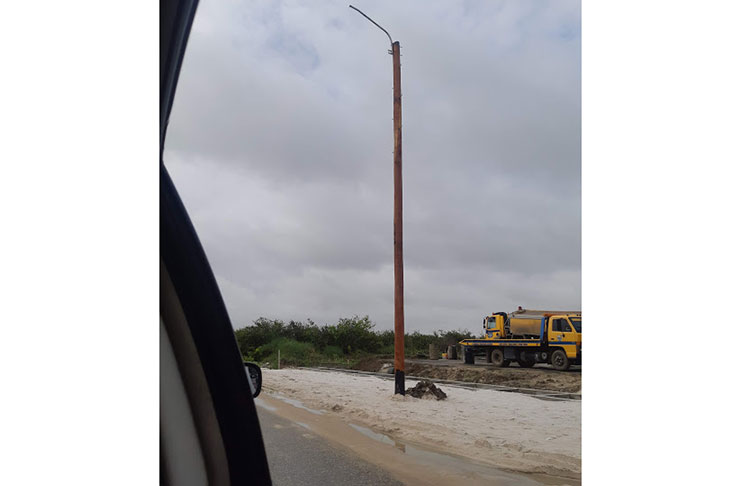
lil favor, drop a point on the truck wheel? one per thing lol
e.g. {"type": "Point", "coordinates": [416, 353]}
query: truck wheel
{"type": "Point", "coordinates": [559, 360]}
{"type": "Point", "coordinates": [497, 358]}
{"type": "Point", "coordinates": [467, 356]}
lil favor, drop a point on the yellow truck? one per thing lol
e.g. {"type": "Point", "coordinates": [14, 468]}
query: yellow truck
{"type": "Point", "coordinates": [528, 337]}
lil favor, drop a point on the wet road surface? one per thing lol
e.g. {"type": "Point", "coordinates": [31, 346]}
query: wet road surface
{"type": "Point", "coordinates": [307, 446]}
{"type": "Point", "coordinates": [299, 457]}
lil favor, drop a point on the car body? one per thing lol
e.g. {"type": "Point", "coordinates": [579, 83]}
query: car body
{"type": "Point", "coordinates": [209, 429]}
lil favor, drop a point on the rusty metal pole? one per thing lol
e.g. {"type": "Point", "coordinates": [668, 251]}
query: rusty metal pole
{"type": "Point", "coordinates": [398, 231]}
{"type": "Point", "coordinates": [398, 223]}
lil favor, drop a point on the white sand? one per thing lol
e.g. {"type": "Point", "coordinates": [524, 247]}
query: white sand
{"type": "Point", "coordinates": [508, 430]}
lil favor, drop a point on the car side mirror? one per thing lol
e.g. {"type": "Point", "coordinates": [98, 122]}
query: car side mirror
{"type": "Point", "coordinates": [254, 375]}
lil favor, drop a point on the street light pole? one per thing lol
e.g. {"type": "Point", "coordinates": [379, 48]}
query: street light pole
{"type": "Point", "coordinates": [398, 227]}
{"type": "Point", "coordinates": [398, 222]}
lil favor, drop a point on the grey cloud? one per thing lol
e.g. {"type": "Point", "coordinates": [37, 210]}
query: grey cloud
{"type": "Point", "coordinates": [280, 144]}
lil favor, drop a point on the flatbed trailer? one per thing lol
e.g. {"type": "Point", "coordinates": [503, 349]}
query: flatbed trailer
{"type": "Point", "coordinates": [557, 343]}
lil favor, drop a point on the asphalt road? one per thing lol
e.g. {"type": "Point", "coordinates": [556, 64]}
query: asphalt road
{"type": "Point", "coordinates": [298, 457]}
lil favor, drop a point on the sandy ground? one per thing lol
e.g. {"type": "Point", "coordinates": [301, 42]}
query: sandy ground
{"type": "Point", "coordinates": [507, 430]}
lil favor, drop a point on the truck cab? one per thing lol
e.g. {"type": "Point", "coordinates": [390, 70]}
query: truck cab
{"type": "Point", "coordinates": [494, 325]}
{"type": "Point", "coordinates": [564, 331]}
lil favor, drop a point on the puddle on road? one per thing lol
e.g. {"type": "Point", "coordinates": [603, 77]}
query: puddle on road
{"type": "Point", "coordinates": [383, 438]}
{"type": "Point", "coordinates": [261, 403]}
{"type": "Point", "coordinates": [297, 404]}
{"type": "Point", "coordinates": [452, 463]}
{"type": "Point", "coordinates": [410, 463]}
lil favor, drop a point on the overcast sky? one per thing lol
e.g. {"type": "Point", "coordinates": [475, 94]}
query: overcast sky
{"type": "Point", "coordinates": [280, 143]}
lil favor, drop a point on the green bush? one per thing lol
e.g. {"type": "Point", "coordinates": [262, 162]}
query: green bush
{"type": "Point", "coordinates": [292, 353]}
{"type": "Point", "coordinates": [354, 334]}
{"type": "Point", "coordinates": [261, 333]}
{"type": "Point", "coordinates": [306, 343]}
{"type": "Point", "coordinates": [386, 338]}
{"type": "Point", "coordinates": [386, 349]}
{"type": "Point", "coordinates": [289, 348]}
{"type": "Point", "coordinates": [332, 351]}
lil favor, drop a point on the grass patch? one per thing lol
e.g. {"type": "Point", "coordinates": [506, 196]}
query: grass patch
{"type": "Point", "coordinates": [296, 353]}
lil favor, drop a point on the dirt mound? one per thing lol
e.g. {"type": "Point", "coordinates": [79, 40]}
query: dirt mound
{"type": "Point", "coordinates": [426, 389]}
{"type": "Point", "coordinates": [538, 378]}
{"type": "Point", "coordinates": [542, 379]}
{"type": "Point", "coordinates": [371, 363]}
